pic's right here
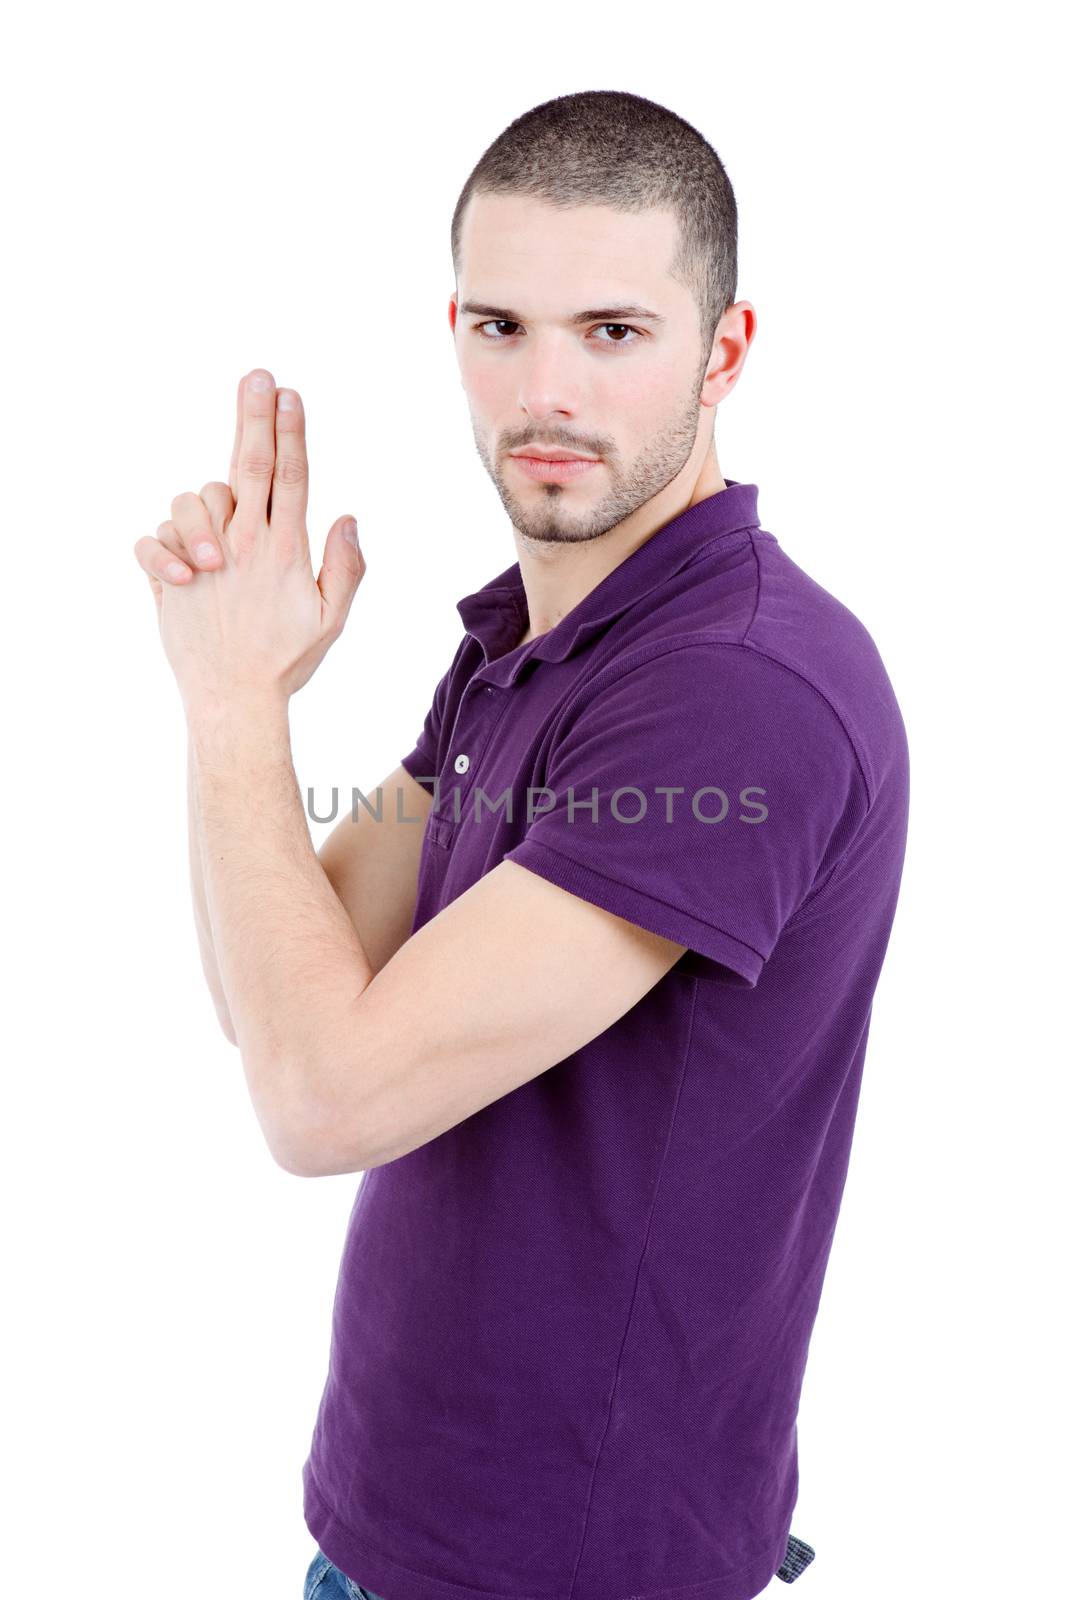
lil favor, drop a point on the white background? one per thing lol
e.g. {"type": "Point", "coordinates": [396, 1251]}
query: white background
{"type": "Point", "coordinates": [194, 191]}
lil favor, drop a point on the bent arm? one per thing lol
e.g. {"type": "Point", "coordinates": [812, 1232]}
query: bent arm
{"type": "Point", "coordinates": [502, 984]}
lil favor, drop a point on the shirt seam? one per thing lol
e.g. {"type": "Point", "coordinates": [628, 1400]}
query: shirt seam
{"type": "Point", "coordinates": [637, 1280]}
{"type": "Point", "coordinates": [769, 657]}
{"type": "Point", "coordinates": [759, 589]}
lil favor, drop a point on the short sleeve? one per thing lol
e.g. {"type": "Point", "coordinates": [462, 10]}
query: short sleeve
{"type": "Point", "coordinates": [421, 762]}
{"type": "Point", "coordinates": [726, 788]}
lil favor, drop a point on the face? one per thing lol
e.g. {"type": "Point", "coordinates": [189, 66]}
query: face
{"type": "Point", "coordinates": [624, 388]}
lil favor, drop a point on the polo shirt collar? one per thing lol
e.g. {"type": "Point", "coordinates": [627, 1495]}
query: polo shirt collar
{"type": "Point", "coordinates": [496, 614]}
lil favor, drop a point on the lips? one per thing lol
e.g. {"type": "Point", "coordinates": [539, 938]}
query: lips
{"type": "Point", "coordinates": [554, 469]}
{"type": "Point", "coordinates": [533, 454]}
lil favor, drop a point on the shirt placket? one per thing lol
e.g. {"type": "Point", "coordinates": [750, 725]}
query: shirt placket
{"type": "Point", "coordinates": [480, 709]}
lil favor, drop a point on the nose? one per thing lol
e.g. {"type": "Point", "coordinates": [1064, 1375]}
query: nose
{"type": "Point", "coordinates": [549, 383]}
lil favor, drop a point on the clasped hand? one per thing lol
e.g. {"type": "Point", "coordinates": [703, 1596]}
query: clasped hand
{"type": "Point", "coordinates": [241, 615]}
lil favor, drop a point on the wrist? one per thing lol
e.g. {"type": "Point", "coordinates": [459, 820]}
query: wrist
{"type": "Point", "coordinates": [209, 717]}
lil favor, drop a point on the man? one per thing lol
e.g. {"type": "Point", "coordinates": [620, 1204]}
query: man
{"type": "Point", "coordinates": [593, 1025]}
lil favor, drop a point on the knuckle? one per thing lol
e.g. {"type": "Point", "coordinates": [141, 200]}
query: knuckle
{"type": "Point", "coordinates": [257, 464]}
{"type": "Point", "coordinates": [174, 541]}
{"type": "Point", "coordinates": [242, 539]}
{"type": "Point", "coordinates": [291, 470]}
{"type": "Point", "coordinates": [185, 502]}
{"type": "Point", "coordinates": [288, 548]}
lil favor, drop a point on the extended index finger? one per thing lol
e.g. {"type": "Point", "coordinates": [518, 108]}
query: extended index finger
{"type": "Point", "coordinates": [256, 456]}
{"type": "Point", "coordinates": [289, 494]}
{"type": "Point", "coordinates": [235, 455]}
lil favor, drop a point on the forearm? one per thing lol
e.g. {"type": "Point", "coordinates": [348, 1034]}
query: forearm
{"type": "Point", "coordinates": [290, 960]}
{"type": "Point", "coordinates": [200, 910]}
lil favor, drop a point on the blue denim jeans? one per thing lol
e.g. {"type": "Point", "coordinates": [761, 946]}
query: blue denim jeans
{"type": "Point", "coordinates": [324, 1581]}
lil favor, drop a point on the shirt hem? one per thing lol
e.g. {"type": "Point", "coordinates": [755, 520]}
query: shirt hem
{"type": "Point", "coordinates": [390, 1579]}
{"type": "Point", "coordinates": [414, 764]}
{"type": "Point", "coordinates": [637, 906]}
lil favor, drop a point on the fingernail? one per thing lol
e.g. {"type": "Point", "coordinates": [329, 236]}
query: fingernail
{"type": "Point", "coordinates": [286, 400]}
{"type": "Point", "coordinates": [176, 569]}
{"type": "Point", "coordinates": [260, 382]}
{"type": "Point", "coordinates": [351, 532]}
{"type": "Point", "coordinates": [205, 552]}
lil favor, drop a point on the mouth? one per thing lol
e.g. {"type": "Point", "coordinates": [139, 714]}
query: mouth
{"type": "Point", "coordinates": [554, 469]}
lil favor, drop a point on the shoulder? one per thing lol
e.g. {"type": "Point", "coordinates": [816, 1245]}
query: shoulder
{"type": "Point", "coordinates": [800, 624]}
{"type": "Point", "coordinates": [704, 676]}
{"type": "Point", "coordinates": [702, 703]}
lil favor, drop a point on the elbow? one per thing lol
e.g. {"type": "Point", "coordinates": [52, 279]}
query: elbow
{"type": "Point", "coordinates": [307, 1162]}
{"type": "Point", "coordinates": [311, 1139]}
{"type": "Point", "coordinates": [319, 1155]}
{"type": "Point", "coordinates": [295, 1165]}
{"type": "Point", "coordinates": [281, 1108]}
{"type": "Point", "coordinates": [314, 1120]}
{"type": "Point", "coordinates": [293, 1152]}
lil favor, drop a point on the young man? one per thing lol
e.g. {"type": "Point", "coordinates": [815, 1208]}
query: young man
{"type": "Point", "coordinates": [594, 1027]}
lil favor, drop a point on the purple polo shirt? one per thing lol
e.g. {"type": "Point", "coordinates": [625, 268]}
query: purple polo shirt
{"type": "Point", "coordinates": [569, 1333]}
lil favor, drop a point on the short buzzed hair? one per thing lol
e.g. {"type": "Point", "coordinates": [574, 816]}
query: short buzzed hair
{"type": "Point", "coordinates": [607, 147]}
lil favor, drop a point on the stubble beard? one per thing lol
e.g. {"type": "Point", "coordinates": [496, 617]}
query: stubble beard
{"type": "Point", "coordinates": [545, 517]}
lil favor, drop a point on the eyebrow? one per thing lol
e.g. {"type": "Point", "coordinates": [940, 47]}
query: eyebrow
{"type": "Point", "coordinates": [475, 308]}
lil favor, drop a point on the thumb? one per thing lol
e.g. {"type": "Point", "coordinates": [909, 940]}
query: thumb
{"type": "Point", "coordinates": [342, 568]}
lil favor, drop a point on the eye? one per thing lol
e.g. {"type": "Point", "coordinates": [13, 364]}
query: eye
{"type": "Point", "coordinates": [481, 328]}
{"type": "Point", "coordinates": [497, 322]}
{"type": "Point", "coordinates": [624, 326]}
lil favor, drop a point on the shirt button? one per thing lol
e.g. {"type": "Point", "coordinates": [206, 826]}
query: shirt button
{"type": "Point", "coordinates": [462, 763]}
